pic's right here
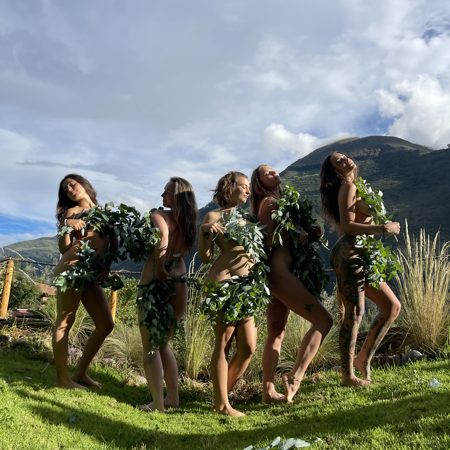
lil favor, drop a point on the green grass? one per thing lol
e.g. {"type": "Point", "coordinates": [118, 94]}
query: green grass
{"type": "Point", "coordinates": [398, 411]}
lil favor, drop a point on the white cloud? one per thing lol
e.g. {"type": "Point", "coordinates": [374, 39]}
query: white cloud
{"type": "Point", "coordinates": [278, 141]}
{"type": "Point", "coordinates": [420, 109]}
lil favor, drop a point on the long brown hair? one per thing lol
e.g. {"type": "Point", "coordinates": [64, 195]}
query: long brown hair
{"type": "Point", "coordinates": [225, 187]}
{"type": "Point", "coordinates": [64, 203]}
{"type": "Point", "coordinates": [330, 182]}
{"type": "Point", "coordinates": [185, 210]}
{"type": "Point", "coordinates": [258, 191]}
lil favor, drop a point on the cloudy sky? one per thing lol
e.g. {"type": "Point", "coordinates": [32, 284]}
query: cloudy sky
{"type": "Point", "coordinates": [129, 93]}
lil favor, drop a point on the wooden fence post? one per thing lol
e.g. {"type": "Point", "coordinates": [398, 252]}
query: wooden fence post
{"type": "Point", "coordinates": [341, 308]}
{"type": "Point", "coordinates": [7, 288]}
{"type": "Point", "coordinates": [113, 305]}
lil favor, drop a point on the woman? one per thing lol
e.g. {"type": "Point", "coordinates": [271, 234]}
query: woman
{"type": "Point", "coordinates": [231, 190]}
{"type": "Point", "coordinates": [76, 197]}
{"type": "Point", "coordinates": [178, 228]}
{"type": "Point", "coordinates": [288, 291]}
{"type": "Point", "coordinates": [345, 210]}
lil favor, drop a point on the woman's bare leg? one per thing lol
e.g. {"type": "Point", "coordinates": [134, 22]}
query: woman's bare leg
{"type": "Point", "coordinates": [67, 305]}
{"type": "Point", "coordinates": [162, 362]}
{"type": "Point", "coordinates": [390, 308]}
{"type": "Point", "coordinates": [295, 296]}
{"type": "Point", "coordinates": [219, 369]}
{"type": "Point", "coordinates": [277, 315]}
{"type": "Point", "coordinates": [246, 334]}
{"type": "Point", "coordinates": [97, 306]}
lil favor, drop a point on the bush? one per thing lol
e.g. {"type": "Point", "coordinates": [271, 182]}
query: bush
{"type": "Point", "coordinates": [24, 293]}
{"type": "Point", "coordinates": [423, 288]}
{"type": "Point", "coordinates": [126, 312]}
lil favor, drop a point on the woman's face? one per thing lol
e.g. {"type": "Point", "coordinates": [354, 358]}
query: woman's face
{"type": "Point", "coordinates": [74, 190]}
{"type": "Point", "coordinates": [241, 190]}
{"type": "Point", "coordinates": [168, 195]}
{"type": "Point", "coordinates": [269, 177]}
{"type": "Point", "coordinates": [343, 164]}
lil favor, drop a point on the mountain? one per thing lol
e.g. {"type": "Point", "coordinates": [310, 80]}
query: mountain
{"type": "Point", "coordinates": [413, 178]}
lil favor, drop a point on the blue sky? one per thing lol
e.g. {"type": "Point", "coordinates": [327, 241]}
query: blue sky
{"type": "Point", "coordinates": [131, 93]}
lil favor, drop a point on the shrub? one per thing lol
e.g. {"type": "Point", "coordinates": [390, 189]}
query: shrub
{"type": "Point", "coordinates": [423, 288]}
{"type": "Point", "coordinates": [126, 312]}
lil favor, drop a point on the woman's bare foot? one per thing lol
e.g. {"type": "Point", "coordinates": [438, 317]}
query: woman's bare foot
{"type": "Point", "coordinates": [150, 408]}
{"type": "Point", "coordinates": [363, 367]}
{"type": "Point", "coordinates": [171, 404]}
{"type": "Point", "coordinates": [229, 411]}
{"type": "Point", "coordinates": [69, 384]}
{"type": "Point", "coordinates": [354, 382]}
{"type": "Point", "coordinates": [86, 379]}
{"type": "Point", "coordinates": [273, 396]}
{"type": "Point", "coordinates": [291, 385]}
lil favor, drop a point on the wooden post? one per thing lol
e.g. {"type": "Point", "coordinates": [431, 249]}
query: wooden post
{"type": "Point", "coordinates": [7, 288]}
{"type": "Point", "coordinates": [113, 305]}
{"type": "Point", "coordinates": [341, 308]}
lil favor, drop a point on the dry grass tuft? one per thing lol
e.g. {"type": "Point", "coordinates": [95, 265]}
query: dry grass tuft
{"type": "Point", "coordinates": [423, 289]}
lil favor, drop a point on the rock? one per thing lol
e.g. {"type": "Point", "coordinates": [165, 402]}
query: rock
{"type": "Point", "coordinates": [436, 354]}
{"type": "Point", "coordinates": [434, 383]}
{"type": "Point", "coordinates": [141, 379]}
{"type": "Point", "coordinates": [74, 354]}
{"type": "Point", "coordinates": [287, 444]}
{"type": "Point", "coordinates": [109, 361]}
{"type": "Point", "coordinates": [412, 355]}
{"type": "Point", "coordinates": [388, 360]}
{"type": "Point", "coordinates": [5, 339]}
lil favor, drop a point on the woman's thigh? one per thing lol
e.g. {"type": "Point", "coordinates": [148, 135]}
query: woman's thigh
{"type": "Point", "coordinates": [246, 333]}
{"type": "Point", "coordinates": [67, 303]}
{"type": "Point", "coordinates": [97, 305]}
{"type": "Point", "coordinates": [277, 314]}
{"type": "Point", "coordinates": [384, 298]}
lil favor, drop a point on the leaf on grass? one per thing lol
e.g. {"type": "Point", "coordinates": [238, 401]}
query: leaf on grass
{"type": "Point", "coordinates": [287, 444]}
{"type": "Point", "coordinates": [276, 441]}
{"type": "Point", "coordinates": [73, 418]}
{"type": "Point", "coordinates": [300, 443]}
{"type": "Point", "coordinates": [435, 383]}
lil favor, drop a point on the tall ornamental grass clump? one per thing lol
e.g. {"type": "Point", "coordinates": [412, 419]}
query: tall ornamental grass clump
{"type": "Point", "coordinates": [193, 344]}
{"type": "Point", "coordinates": [423, 288]}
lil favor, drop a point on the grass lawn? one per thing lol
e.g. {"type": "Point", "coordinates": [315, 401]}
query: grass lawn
{"type": "Point", "coordinates": [399, 411]}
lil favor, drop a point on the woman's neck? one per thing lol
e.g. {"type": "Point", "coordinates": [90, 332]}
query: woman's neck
{"type": "Point", "coordinates": [85, 203]}
{"type": "Point", "coordinates": [229, 206]}
{"type": "Point", "coordinates": [275, 192]}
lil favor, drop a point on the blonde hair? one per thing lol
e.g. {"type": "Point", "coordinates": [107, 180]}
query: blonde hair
{"type": "Point", "coordinates": [185, 210]}
{"type": "Point", "coordinates": [225, 187]}
{"type": "Point", "coordinates": [258, 191]}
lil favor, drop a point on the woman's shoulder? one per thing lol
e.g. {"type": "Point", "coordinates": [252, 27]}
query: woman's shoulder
{"type": "Point", "coordinates": [347, 187]}
{"type": "Point", "coordinates": [71, 213]}
{"type": "Point", "coordinates": [212, 216]}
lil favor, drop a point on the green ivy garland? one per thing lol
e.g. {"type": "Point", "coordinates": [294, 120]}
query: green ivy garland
{"type": "Point", "coordinates": [380, 262]}
{"type": "Point", "coordinates": [157, 313]}
{"type": "Point", "coordinates": [240, 296]}
{"type": "Point", "coordinates": [137, 238]}
{"type": "Point", "coordinates": [306, 263]}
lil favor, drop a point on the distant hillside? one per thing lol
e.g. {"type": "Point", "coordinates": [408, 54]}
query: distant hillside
{"type": "Point", "coordinates": [413, 178]}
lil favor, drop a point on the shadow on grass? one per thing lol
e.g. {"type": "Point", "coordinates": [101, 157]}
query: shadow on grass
{"type": "Point", "coordinates": [403, 415]}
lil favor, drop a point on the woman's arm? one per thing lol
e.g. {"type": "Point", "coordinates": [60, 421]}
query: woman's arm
{"type": "Point", "coordinates": [347, 200]}
{"type": "Point", "coordinates": [205, 244]}
{"type": "Point", "coordinates": [159, 221]}
{"type": "Point", "coordinates": [269, 206]}
{"type": "Point", "coordinates": [65, 242]}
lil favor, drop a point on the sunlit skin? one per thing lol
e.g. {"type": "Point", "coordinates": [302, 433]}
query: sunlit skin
{"type": "Point", "coordinates": [232, 261]}
{"type": "Point", "coordinates": [289, 294]}
{"type": "Point", "coordinates": [93, 297]}
{"type": "Point", "coordinates": [351, 284]}
{"type": "Point", "coordinates": [163, 361]}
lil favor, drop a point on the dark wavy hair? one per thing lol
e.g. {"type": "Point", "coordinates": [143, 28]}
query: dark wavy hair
{"type": "Point", "coordinates": [185, 210]}
{"type": "Point", "coordinates": [64, 203]}
{"type": "Point", "coordinates": [225, 187]}
{"type": "Point", "coordinates": [258, 191]}
{"type": "Point", "coordinates": [330, 182]}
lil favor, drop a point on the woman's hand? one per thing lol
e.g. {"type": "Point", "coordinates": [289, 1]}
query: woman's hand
{"type": "Point", "coordinates": [162, 275]}
{"type": "Point", "coordinates": [212, 229]}
{"type": "Point", "coordinates": [303, 238]}
{"type": "Point", "coordinates": [103, 275]}
{"type": "Point", "coordinates": [76, 224]}
{"type": "Point", "coordinates": [392, 228]}
{"type": "Point", "coordinates": [316, 231]}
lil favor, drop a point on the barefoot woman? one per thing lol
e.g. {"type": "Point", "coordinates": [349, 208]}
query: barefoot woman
{"type": "Point", "coordinates": [348, 213]}
{"type": "Point", "coordinates": [288, 291]}
{"type": "Point", "coordinates": [178, 226]}
{"type": "Point", "coordinates": [232, 189]}
{"type": "Point", "coordinates": [76, 197]}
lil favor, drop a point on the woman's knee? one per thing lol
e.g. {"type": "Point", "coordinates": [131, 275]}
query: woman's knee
{"type": "Point", "coordinates": [246, 349]}
{"type": "Point", "coordinates": [106, 327]}
{"type": "Point", "coordinates": [395, 309]}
